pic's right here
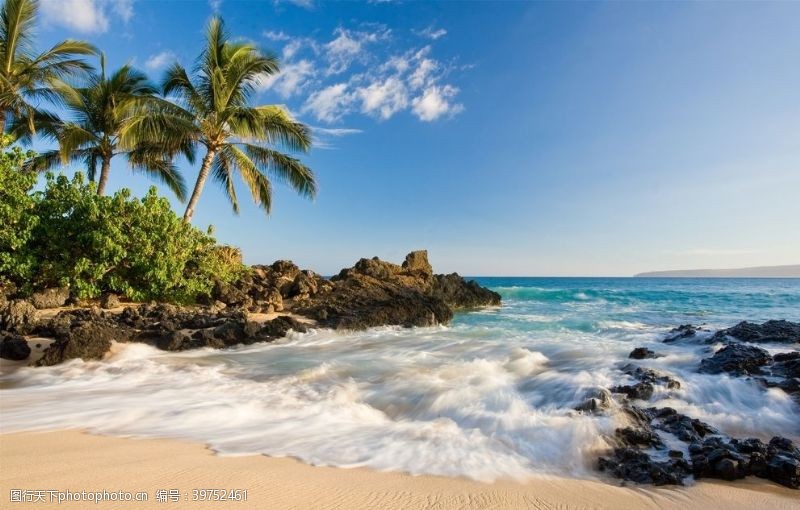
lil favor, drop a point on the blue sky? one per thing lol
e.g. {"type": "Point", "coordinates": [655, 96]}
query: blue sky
{"type": "Point", "coordinates": [507, 138]}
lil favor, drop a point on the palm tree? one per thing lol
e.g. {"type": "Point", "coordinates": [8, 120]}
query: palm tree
{"type": "Point", "coordinates": [28, 78]}
{"type": "Point", "coordinates": [112, 115]}
{"type": "Point", "coordinates": [238, 138]}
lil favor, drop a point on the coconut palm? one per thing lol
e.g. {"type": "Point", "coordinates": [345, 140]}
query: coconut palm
{"type": "Point", "coordinates": [237, 137]}
{"type": "Point", "coordinates": [112, 115]}
{"type": "Point", "coordinates": [28, 78]}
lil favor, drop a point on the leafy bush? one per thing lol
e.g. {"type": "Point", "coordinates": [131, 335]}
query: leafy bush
{"type": "Point", "coordinates": [16, 214]}
{"type": "Point", "coordinates": [94, 244]}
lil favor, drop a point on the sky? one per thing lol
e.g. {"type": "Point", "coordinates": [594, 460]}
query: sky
{"type": "Point", "coordinates": [507, 138]}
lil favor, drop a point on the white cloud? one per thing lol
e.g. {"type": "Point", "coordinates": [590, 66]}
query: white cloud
{"type": "Point", "coordinates": [323, 137]}
{"type": "Point", "coordinates": [374, 82]}
{"type": "Point", "coordinates": [337, 132]}
{"type": "Point", "coordinates": [435, 102]}
{"type": "Point", "coordinates": [290, 81]}
{"type": "Point", "coordinates": [422, 75]}
{"type": "Point", "coordinates": [384, 98]}
{"type": "Point", "coordinates": [431, 33]}
{"type": "Point", "coordinates": [215, 5]}
{"type": "Point", "coordinates": [330, 103]}
{"type": "Point", "coordinates": [276, 36]}
{"type": "Point", "coordinates": [160, 60]}
{"type": "Point", "coordinates": [87, 16]}
{"type": "Point", "coordinates": [349, 45]}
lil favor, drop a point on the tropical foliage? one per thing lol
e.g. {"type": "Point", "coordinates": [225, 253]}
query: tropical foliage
{"type": "Point", "coordinates": [16, 214]}
{"type": "Point", "coordinates": [67, 235]}
{"type": "Point", "coordinates": [111, 115]}
{"type": "Point", "coordinates": [67, 232]}
{"type": "Point", "coordinates": [28, 77]}
{"type": "Point", "coordinates": [237, 138]}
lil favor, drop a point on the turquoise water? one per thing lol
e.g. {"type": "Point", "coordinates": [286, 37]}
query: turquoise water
{"type": "Point", "coordinates": [490, 396]}
{"type": "Point", "coordinates": [585, 304]}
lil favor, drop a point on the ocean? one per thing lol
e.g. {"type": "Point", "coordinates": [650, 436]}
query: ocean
{"type": "Point", "coordinates": [490, 396]}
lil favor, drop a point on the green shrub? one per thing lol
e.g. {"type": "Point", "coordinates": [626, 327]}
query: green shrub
{"type": "Point", "coordinates": [16, 214]}
{"type": "Point", "coordinates": [67, 235]}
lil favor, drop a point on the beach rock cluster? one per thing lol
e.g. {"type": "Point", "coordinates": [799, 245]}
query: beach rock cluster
{"type": "Point", "coordinates": [371, 293]}
{"type": "Point", "coordinates": [641, 454]}
{"type": "Point", "coordinates": [642, 457]}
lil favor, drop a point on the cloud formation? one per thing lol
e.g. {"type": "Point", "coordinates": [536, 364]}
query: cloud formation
{"type": "Point", "coordinates": [360, 70]}
{"type": "Point", "coordinates": [86, 16]}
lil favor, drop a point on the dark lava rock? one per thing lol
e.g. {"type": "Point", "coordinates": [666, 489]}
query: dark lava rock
{"type": "Point", "coordinates": [641, 391]}
{"type": "Point", "coordinates": [648, 375]}
{"type": "Point", "coordinates": [681, 332]}
{"type": "Point", "coordinates": [731, 459]}
{"type": "Point", "coordinates": [642, 353]}
{"type": "Point", "coordinates": [18, 316]}
{"type": "Point", "coordinates": [13, 347]}
{"type": "Point", "coordinates": [683, 427]}
{"type": "Point", "coordinates": [637, 466]}
{"type": "Point", "coordinates": [109, 301]}
{"type": "Point", "coordinates": [50, 298]}
{"type": "Point", "coordinates": [280, 326]}
{"type": "Point", "coordinates": [638, 437]}
{"type": "Point", "coordinates": [736, 359]}
{"type": "Point", "coordinates": [777, 331]}
{"type": "Point", "coordinates": [88, 341]}
{"type": "Point", "coordinates": [459, 293]}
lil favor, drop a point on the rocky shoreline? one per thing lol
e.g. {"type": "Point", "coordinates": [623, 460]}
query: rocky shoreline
{"type": "Point", "coordinates": [262, 306]}
{"type": "Point", "coordinates": [656, 445]}
{"type": "Point", "coordinates": [647, 450]}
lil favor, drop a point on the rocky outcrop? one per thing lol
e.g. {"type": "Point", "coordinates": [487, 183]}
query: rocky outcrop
{"type": "Point", "coordinates": [711, 454]}
{"type": "Point", "coordinates": [109, 300]}
{"type": "Point", "coordinates": [647, 379]}
{"type": "Point", "coordinates": [736, 359]}
{"type": "Point", "coordinates": [17, 316]}
{"type": "Point", "coordinates": [371, 293]}
{"type": "Point", "coordinates": [14, 347]}
{"type": "Point", "coordinates": [682, 332]}
{"type": "Point", "coordinates": [775, 331]}
{"type": "Point", "coordinates": [642, 353]}
{"type": "Point", "coordinates": [378, 293]}
{"type": "Point", "coordinates": [88, 341]}
{"type": "Point", "coordinates": [50, 298]}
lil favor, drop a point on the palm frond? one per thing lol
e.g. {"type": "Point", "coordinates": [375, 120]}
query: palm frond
{"type": "Point", "coordinates": [283, 168]}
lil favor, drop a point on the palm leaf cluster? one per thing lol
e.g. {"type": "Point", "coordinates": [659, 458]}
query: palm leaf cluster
{"type": "Point", "coordinates": [125, 114]}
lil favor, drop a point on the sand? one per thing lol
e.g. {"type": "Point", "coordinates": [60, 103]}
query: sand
{"type": "Point", "coordinates": [75, 461]}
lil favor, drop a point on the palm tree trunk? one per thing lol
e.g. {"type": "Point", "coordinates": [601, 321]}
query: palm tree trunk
{"type": "Point", "coordinates": [105, 169]}
{"type": "Point", "coordinates": [198, 186]}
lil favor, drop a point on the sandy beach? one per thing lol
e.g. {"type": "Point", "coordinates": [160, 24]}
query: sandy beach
{"type": "Point", "coordinates": [75, 461]}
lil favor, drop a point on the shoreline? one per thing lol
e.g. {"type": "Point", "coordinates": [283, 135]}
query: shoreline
{"type": "Point", "coordinates": [77, 460]}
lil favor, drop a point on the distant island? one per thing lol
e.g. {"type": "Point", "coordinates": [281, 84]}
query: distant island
{"type": "Point", "coordinates": [790, 271]}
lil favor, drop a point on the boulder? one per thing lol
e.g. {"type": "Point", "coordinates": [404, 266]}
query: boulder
{"type": "Point", "coordinates": [459, 293]}
{"type": "Point", "coordinates": [279, 327]}
{"type": "Point", "coordinates": [642, 353]}
{"type": "Point", "coordinates": [18, 316]}
{"type": "Point", "coordinates": [50, 298]}
{"type": "Point", "coordinates": [109, 301]}
{"type": "Point", "coordinates": [637, 466]}
{"type": "Point", "coordinates": [681, 332]}
{"type": "Point", "coordinates": [736, 359]}
{"type": "Point", "coordinates": [774, 331]}
{"type": "Point", "coordinates": [417, 262]}
{"type": "Point", "coordinates": [88, 341]}
{"type": "Point", "coordinates": [14, 347]}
